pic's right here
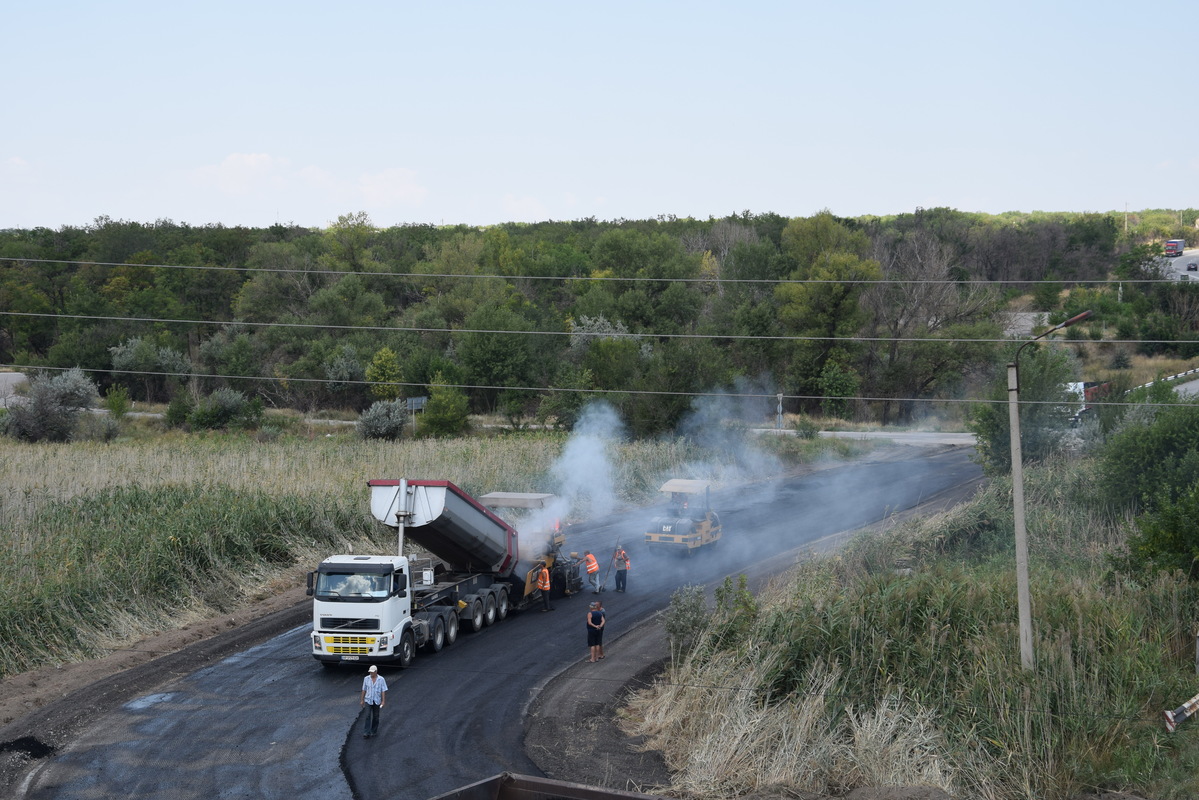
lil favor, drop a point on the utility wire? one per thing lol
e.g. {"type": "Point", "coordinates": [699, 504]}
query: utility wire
{"type": "Point", "coordinates": [590, 278]}
{"type": "Point", "coordinates": [765, 395]}
{"type": "Point", "coordinates": [585, 334]}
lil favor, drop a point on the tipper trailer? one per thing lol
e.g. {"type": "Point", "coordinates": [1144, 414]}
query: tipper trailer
{"type": "Point", "coordinates": [381, 608]}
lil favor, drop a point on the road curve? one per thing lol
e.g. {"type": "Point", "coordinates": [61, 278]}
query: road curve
{"type": "Point", "coordinates": [270, 723]}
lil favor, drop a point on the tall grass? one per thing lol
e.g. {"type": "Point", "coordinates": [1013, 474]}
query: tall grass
{"type": "Point", "coordinates": [933, 648]}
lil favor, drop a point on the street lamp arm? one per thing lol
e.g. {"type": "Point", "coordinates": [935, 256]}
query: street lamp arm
{"type": "Point", "coordinates": [1058, 327]}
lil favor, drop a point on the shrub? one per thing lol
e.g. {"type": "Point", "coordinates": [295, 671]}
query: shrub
{"type": "Point", "coordinates": [53, 408]}
{"type": "Point", "coordinates": [179, 409]}
{"type": "Point", "coordinates": [226, 408]}
{"type": "Point", "coordinates": [448, 412]}
{"type": "Point", "coordinates": [116, 400]}
{"type": "Point", "coordinates": [383, 420]}
{"type": "Point", "coordinates": [805, 428]}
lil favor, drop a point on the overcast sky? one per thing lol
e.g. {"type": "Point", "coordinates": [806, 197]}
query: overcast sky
{"type": "Point", "coordinates": [256, 112]}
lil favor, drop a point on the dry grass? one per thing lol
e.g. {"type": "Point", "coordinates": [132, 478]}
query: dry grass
{"type": "Point", "coordinates": [856, 673]}
{"type": "Point", "coordinates": [723, 734]}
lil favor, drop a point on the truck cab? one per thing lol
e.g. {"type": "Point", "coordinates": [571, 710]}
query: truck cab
{"type": "Point", "coordinates": [362, 610]}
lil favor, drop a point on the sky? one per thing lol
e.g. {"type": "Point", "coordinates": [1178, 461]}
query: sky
{"type": "Point", "coordinates": [260, 112]}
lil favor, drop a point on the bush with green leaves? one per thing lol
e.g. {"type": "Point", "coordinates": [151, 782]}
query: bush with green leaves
{"type": "Point", "coordinates": [1045, 409]}
{"type": "Point", "coordinates": [226, 408]}
{"type": "Point", "coordinates": [383, 420]}
{"type": "Point", "coordinates": [805, 428]}
{"type": "Point", "coordinates": [448, 411]}
{"type": "Point", "coordinates": [179, 409]}
{"type": "Point", "coordinates": [686, 619]}
{"type": "Point", "coordinates": [54, 406]}
{"type": "Point", "coordinates": [116, 400]}
{"type": "Point", "coordinates": [1153, 459]}
{"type": "Point", "coordinates": [1166, 540]}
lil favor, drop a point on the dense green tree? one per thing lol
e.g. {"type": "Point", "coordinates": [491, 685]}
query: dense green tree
{"type": "Point", "coordinates": [344, 371]}
{"type": "Point", "coordinates": [448, 411]}
{"type": "Point", "coordinates": [1045, 409]}
{"type": "Point", "coordinates": [384, 375]}
{"type": "Point", "coordinates": [826, 313]}
{"type": "Point", "coordinates": [1153, 458]}
{"type": "Point", "coordinates": [156, 367]}
{"type": "Point", "coordinates": [494, 360]}
{"type": "Point", "coordinates": [811, 240]}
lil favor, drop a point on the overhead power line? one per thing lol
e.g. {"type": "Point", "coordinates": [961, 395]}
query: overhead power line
{"type": "Point", "coordinates": [590, 334]}
{"type": "Point", "coordinates": [732, 395]}
{"type": "Point", "coordinates": [591, 278]}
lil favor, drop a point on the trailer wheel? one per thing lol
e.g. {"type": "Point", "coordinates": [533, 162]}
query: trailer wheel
{"type": "Point", "coordinates": [476, 616]}
{"type": "Point", "coordinates": [501, 605]}
{"type": "Point", "coordinates": [451, 628]}
{"type": "Point", "coordinates": [407, 649]}
{"type": "Point", "coordinates": [489, 610]}
{"type": "Point", "coordinates": [437, 640]}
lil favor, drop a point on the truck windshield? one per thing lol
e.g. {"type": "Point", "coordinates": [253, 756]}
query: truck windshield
{"type": "Point", "coordinates": [352, 585]}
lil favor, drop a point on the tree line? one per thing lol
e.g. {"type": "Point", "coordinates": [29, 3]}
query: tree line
{"type": "Point", "coordinates": [823, 309]}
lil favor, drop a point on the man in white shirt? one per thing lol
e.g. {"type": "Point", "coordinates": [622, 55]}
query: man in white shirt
{"type": "Point", "coordinates": [374, 695]}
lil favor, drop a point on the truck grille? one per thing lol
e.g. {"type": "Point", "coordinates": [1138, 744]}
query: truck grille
{"type": "Point", "coordinates": [349, 645]}
{"type": "Point", "coordinates": [349, 624]}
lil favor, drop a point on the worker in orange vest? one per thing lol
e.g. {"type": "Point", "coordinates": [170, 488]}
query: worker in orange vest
{"type": "Point", "coordinates": [592, 565]}
{"type": "Point", "coordinates": [543, 583]}
{"type": "Point", "coordinates": [620, 559]}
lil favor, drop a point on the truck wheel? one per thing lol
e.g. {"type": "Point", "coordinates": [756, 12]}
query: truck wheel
{"type": "Point", "coordinates": [437, 640]}
{"type": "Point", "coordinates": [476, 616]}
{"type": "Point", "coordinates": [407, 649]}
{"type": "Point", "coordinates": [489, 610]}
{"type": "Point", "coordinates": [501, 605]}
{"type": "Point", "coordinates": [451, 628]}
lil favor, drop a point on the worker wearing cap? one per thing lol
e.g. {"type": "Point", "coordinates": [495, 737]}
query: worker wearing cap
{"type": "Point", "coordinates": [592, 565]}
{"type": "Point", "coordinates": [374, 695]}
{"type": "Point", "coordinates": [620, 559]}
{"type": "Point", "coordinates": [543, 583]}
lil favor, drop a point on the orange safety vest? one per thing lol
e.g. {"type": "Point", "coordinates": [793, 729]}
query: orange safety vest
{"type": "Point", "coordinates": [592, 564]}
{"type": "Point", "coordinates": [543, 580]}
{"type": "Point", "coordinates": [623, 556]}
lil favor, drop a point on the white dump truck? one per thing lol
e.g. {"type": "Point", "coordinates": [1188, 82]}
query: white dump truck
{"type": "Point", "coordinates": [381, 608]}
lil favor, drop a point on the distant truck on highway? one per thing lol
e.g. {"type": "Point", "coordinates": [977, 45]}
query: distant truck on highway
{"type": "Point", "coordinates": [378, 609]}
{"type": "Point", "coordinates": [1174, 247]}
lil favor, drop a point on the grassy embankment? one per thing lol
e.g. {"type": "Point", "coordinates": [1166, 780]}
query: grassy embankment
{"type": "Point", "coordinates": [850, 672]}
{"type": "Point", "coordinates": [104, 543]}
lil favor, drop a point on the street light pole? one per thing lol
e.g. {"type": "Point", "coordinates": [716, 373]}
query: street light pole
{"type": "Point", "coordinates": [1023, 603]}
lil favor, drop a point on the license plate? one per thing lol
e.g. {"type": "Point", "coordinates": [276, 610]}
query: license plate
{"type": "Point", "coordinates": [349, 658]}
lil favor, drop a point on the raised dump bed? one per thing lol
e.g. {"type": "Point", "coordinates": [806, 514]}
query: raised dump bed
{"type": "Point", "coordinates": [450, 524]}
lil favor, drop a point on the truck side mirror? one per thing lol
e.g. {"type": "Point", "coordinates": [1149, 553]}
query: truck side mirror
{"type": "Point", "coordinates": [401, 584]}
{"type": "Point", "coordinates": [310, 577]}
